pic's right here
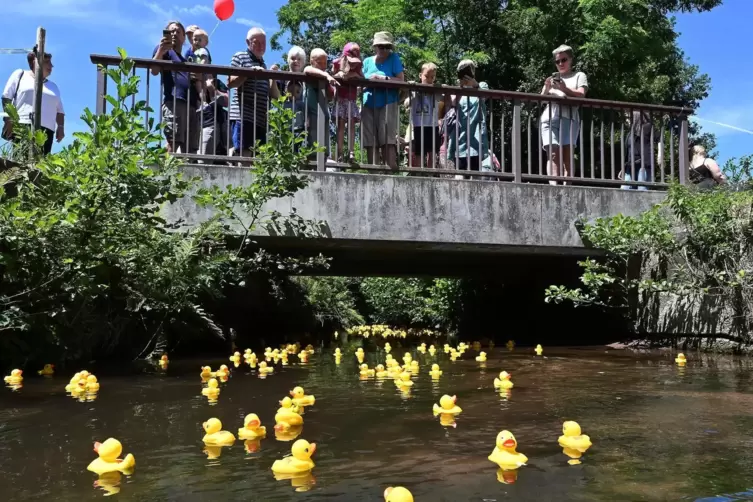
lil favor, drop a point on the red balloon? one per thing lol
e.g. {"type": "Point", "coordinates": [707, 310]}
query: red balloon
{"type": "Point", "coordinates": [224, 9]}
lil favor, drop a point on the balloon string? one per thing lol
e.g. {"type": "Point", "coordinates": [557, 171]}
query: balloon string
{"type": "Point", "coordinates": [215, 28]}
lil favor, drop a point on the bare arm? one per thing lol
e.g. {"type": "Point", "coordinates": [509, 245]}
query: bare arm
{"type": "Point", "coordinates": [234, 81]}
{"type": "Point", "coordinates": [715, 171]}
{"type": "Point", "coordinates": [274, 91]}
{"type": "Point", "coordinates": [316, 72]}
{"type": "Point", "coordinates": [164, 46]}
{"type": "Point", "coordinates": [580, 92]}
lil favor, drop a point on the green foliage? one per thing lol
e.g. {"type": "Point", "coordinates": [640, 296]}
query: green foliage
{"type": "Point", "coordinates": [697, 244]}
{"type": "Point", "coordinates": [420, 303]}
{"type": "Point", "coordinates": [739, 171]}
{"type": "Point", "coordinates": [628, 48]}
{"type": "Point", "coordinates": [332, 300]}
{"type": "Point", "coordinates": [89, 266]}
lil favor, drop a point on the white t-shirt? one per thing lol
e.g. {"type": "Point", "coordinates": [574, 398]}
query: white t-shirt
{"type": "Point", "coordinates": [423, 109]}
{"type": "Point", "coordinates": [24, 98]}
{"type": "Point", "coordinates": [572, 81]}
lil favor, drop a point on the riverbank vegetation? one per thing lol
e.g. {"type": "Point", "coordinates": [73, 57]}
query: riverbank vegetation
{"type": "Point", "coordinates": [88, 266]}
{"type": "Point", "coordinates": [685, 267]}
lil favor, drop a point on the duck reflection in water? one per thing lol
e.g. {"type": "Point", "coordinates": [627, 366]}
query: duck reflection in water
{"type": "Point", "coordinates": [301, 482]}
{"type": "Point", "coordinates": [448, 420]}
{"type": "Point", "coordinates": [213, 452]}
{"type": "Point", "coordinates": [252, 445]}
{"type": "Point", "coordinates": [289, 433]}
{"type": "Point", "coordinates": [109, 482]}
{"type": "Point", "coordinates": [507, 477]}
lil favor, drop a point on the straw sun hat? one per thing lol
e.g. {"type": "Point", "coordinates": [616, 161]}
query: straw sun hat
{"type": "Point", "coordinates": [383, 38]}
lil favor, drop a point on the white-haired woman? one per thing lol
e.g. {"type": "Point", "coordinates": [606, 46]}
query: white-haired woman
{"type": "Point", "coordinates": [704, 171]}
{"type": "Point", "coordinates": [293, 89]}
{"type": "Point", "coordinates": [560, 124]}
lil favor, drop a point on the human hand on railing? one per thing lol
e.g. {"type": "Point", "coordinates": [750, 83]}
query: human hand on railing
{"type": "Point", "coordinates": [377, 76]}
{"type": "Point", "coordinates": [275, 67]}
{"type": "Point", "coordinates": [332, 81]}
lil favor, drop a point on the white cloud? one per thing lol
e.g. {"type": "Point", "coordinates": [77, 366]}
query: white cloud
{"type": "Point", "coordinates": [248, 22]}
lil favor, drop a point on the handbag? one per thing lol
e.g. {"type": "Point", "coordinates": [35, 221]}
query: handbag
{"type": "Point", "coordinates": [7, 133]}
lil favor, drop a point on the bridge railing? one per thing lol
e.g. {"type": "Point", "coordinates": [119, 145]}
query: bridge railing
{"type": "Point", "coordinates": [495, 135]}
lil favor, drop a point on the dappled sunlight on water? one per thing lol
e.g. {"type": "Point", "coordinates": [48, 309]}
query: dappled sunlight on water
{"type": "Point", "coordinates": [660, 432]}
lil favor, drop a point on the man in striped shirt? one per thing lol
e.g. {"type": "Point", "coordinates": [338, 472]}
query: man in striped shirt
{"type": "Point", "coordinates": [250, 102]}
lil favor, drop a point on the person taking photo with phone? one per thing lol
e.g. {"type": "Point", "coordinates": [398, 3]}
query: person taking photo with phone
{"type": "Point", "coordinates": [181, 98]}
{"type": "Point", "coordinates": [559, 124]}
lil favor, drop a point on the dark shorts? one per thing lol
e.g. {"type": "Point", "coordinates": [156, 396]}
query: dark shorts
{"type": "Point", "coordinates": [251, 133]}
{"type": "Point", "coordinates": [181, 124]}
{"type": "Point", "coordinates": [465, 162]}
{"type": "Point", "coordinates": [426, 137]}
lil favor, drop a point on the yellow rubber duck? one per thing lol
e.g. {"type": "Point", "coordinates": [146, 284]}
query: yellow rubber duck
{"type": "Point", "coordinates": [264, 369]}
{"type": "Point", "coordinates": [73, 384]}
{"type": "Point", "coordinates": [338, 353]}
{"type": "Point", "coordinates": [407, 358]}
{"type": "Point", "coordinates": [287, 416]}
{"type": "Point", "coordinates": [573, 438]}
{"type": "Point", "coordinates": [223, 372]}
{"type": "Point", "coordinates": [365, 372]}
{"type": "Point", "coordinates": [404, 381]}
{"type": "Point", "coordinates": [422, 348]}
{"type": "Point", "coordinates": [206, 373]}
{"type": "Point", "coordinates": [510, 345]}
{"type": "Point", "coordinates": [48, 370]}
{"type": "Point", "coordinates": [108, 460]}
{"type": "Point", "coordinates": [387, 347]}
{"type": "Point", "coordinates": [15, 377]}
{"type": "Point", "coordinates": [251, 360]}
{"type": "Point", "coordinates": [303, 357]}
{"type": "Point", "coordinates": [432, 350]}
{"type": "Point", "coordinates": [503, 382]}
{"type": "Point", "coordinates": [163, 361]}
{"type": "Point", "coordinates": [397, 494]}
{"type": "Point", "coordinates": [380, 371]}
{"type": "Point", "coordinates": [268, 353]}
{"type": "Point", "coordinates": [310, 349]}
{"type": "Point", "coordinates": [435, 371]}
{"type": "Point", "coordinates": [447, 348]}
{"type": "Point", "coordinates": [338, 359]}
{"type": "Point", "coordinates": [539, 350]}
{"type": "Point", "coordinates": [300, 398]}
{"type": "Point", "coordinates": [215, 436]}
{"type": "Point", "coordinates": [481, 357]}
{"type": "Point", "coordinates": [300, 460]}
{"type": "Point", "coordinates": [252, 428]}
{"type": "Point", "coordinates": [236, 358]}
{"type": "Point", "coordinates": [447, 406]}
{"type": "Point", "coordinates": [414, 367]}
{"type": "Point", "coordinates": [212, 390]}
{"type": "Point", "coordinates": [504, 454]}
{"type": "Point", "coordinates": [454, 354]}
{"type": "Point", "coordinates": [680, 359]}
{"type": "Point", "coordinates": [92, 385]}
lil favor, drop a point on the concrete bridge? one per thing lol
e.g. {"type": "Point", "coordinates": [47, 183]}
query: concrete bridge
{"type": "Point", "coordinates": [400, 225]}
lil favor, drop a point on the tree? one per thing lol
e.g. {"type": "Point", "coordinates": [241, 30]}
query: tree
{"type": "Point", "coordinates": [88, 266]}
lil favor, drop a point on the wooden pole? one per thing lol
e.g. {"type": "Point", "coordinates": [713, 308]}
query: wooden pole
{"type": "Point", "coordinates": [39, 78]}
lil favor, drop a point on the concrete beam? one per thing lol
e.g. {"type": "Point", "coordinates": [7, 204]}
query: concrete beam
{"type": "Point", "coordinates": [435, 213]}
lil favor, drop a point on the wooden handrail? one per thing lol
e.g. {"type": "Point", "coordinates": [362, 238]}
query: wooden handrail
{"type": "Point", "coordinates": [105, 60]}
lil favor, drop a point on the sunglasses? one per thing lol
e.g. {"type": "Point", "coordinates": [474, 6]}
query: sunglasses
{"type": "Point", "coordinates": [382, 46]}
{"type": "Point", "coordinates": [561, 61]}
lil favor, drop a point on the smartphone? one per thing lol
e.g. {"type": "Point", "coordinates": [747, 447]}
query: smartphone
{"type": "Point", "coordinates": [167, 34]}
{"type": "Point", "coordinates": [556, 76]}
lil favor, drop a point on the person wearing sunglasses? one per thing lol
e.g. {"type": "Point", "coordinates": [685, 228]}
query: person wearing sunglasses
{"type": "Point", "coordinates": [559, 124]}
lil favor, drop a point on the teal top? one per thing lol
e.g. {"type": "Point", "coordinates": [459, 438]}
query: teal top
{"type": "Point", "coordinates": [472, 135]}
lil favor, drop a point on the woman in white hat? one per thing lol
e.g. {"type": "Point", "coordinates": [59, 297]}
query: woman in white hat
{"type": "Point", "coordinates": [380, 106]}
{"type": "Point", "coordinates": [560, 124]}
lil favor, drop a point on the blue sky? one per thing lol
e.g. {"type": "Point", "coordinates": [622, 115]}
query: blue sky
{"type": "Point", "coordinates": [716, 41]}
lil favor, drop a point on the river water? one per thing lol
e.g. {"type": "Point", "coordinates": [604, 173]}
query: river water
{"type": "Point", "coordinates": [660, 432]}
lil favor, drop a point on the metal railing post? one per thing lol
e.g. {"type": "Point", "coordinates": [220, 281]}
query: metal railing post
{"type": "Point", "coordinates": [39, 78]}
{"type": "Point", "coordinates": [101, 82]}
{"type": "Point", "coordinates": [517, 167]}
{"type": "Point", "coordinates": [322, 134]}
{"type": "Point", "coordinates": [684, 164]}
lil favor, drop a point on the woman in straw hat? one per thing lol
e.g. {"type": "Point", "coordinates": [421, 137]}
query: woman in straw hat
{"type": "Point", "coordinates": [379, 114]}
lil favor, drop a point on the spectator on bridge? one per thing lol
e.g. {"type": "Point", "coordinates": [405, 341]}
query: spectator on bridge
{"type": "Point", "coordinates": [19, 92]}
{"type": "Point", "coordinates": [640, 150]}
{"type": "Point", "coordinates": [467, 136]}
{"type": "Point", "coordinates": [294, 89]}
{"type": "Point", "coordinates": [199, 43]}
{"type": "Point", "coordinates": [181, 93]}
{"type": "Point", "coordinates": [347, 66]}
{"type": "Point", "coordinates": [250, 103]}
{"type": "Point", "coordinates": [189, 55]}
{"type": "Point", "coordinates": [559, 124]}
{"type": "Point", "coordinates": [425, 111]}
{"type": "Point", "coordinates": [379, 115]}
{"type": "Point", "coordinates": [213, 117]}
{"type": "Point", "coordinates": [318, 68]}
{"type": "Point", "coordinates": [704, 171]}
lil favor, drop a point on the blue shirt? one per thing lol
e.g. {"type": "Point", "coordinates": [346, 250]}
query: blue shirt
{"type": "Point", "coordinates": [390, 67]}
{"type": "Point", "coordinates": [178, 80]}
